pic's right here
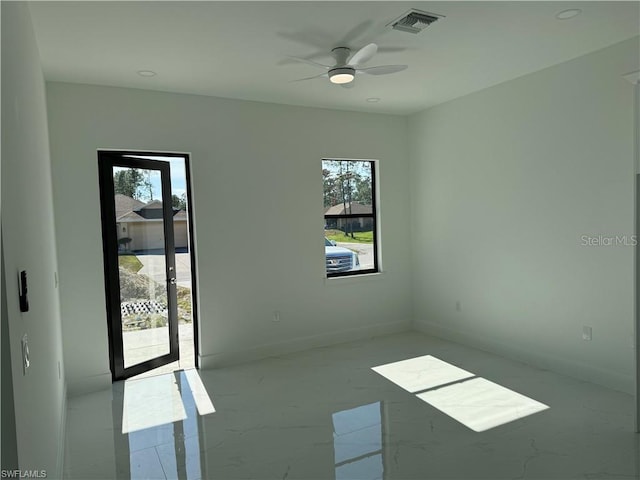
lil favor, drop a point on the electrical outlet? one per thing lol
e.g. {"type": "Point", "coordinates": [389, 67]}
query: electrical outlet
{"type": "Point", "coordinates": [586, 334]}
{"type": "Point", "coordinates": [458, 306]}
{"type": "Point", "coordinates": [276, 316]}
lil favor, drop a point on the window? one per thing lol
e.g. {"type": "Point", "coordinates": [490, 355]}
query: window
{"type": "Point", "coordinates": [349, 217]}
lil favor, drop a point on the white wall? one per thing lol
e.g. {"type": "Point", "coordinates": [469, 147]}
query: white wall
{"type": "Point", "coordinates": [505, 182]}
{"type": "Point", "coordinates": [256, 171]}
{"type": "Point", "coordinates": [29, 244]}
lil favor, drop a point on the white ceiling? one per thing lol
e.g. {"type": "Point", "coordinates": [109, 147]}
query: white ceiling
{"type": "Point", "coordinates": [239, 49]}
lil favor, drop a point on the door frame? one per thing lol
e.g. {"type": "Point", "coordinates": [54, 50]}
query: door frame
{"type": "Point", "coordinates": [634, 78]}
{"type": "Point", "coordinates": [106, 159]}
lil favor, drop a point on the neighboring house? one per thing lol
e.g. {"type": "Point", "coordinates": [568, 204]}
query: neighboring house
{"type": "Point", "coordinates": [142, 223]}
{"type": "Point", "coordinates": [352, 224]}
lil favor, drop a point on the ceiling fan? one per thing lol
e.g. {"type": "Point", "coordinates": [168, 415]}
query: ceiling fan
{"type": "Point", "coordinates": [347, 66]}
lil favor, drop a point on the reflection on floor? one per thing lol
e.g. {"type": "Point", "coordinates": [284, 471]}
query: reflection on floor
{"type": "Point", "coordinates": [357, 442]}
{"type": "Point", "coordinates": [143, 347]}
{"type": "Point", "coordinates": [324, 414]}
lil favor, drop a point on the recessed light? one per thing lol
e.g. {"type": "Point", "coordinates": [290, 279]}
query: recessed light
{"type": "Point", "coordinates": [567, 14]}
{"type": "Point", "coordinates": [373, 100]}
{"type": "Point", "coordinates": [147, 73]}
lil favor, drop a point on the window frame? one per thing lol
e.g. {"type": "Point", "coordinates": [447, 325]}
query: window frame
{"type": "Point", "coordinates": [373, 216]}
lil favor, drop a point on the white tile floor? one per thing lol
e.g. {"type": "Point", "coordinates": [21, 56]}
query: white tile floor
{"type": "Point", "coordinates": [324, 414]}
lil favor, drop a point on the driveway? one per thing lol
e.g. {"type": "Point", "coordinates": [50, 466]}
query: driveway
{"type": "Point", "coordinates": [154, 267]}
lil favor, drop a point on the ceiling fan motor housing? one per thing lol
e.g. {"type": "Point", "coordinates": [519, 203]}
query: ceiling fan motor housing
{"type": "Point", "coordinates": [341, 54]}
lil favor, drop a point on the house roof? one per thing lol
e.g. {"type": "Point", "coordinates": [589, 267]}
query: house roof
{"type": "Point", "coordinates": [353, 208]}
{"type": "Point", "coordinates": [152, 205]}
{"type": "Point", "coordinates": [125, 204]}
{"type": "Point", "coordinates": [131, 210]}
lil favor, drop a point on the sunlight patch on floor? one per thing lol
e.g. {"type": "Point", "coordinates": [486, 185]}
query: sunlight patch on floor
{"type": "Point", "coordinates": [421, 373]}
{"type": "Point", "coordinates": [480, 404]}
{"type": "Point", "coordinates": [154, 401]}
{"type": "Point", "coordinates": [150, 402]}
{"type": "Point", "coordinates": [473, 401]}
{"type": "Point", "coordinates": [199, 392]}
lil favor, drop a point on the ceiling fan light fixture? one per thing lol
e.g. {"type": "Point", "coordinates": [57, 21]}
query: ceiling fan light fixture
{"type": "Point", "coordinates": [342, 75]}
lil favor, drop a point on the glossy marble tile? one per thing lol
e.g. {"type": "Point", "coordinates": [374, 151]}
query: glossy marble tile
{"type": "Point", "coordinates": [325, 414]}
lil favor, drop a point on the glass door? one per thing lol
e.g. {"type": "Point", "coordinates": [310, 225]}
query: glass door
{"type": "Point", "coordinates": [137, 222]}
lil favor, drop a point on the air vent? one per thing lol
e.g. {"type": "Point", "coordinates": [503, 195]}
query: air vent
{"type": "Point", "coordinates": [414, 21]}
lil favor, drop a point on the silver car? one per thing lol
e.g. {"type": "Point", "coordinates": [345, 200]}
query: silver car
{"type": "Point", "coordinates": [339, 259]}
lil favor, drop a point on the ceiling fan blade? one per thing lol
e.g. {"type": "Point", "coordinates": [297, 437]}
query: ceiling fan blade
{"type": "Point", "coordinates": [309, 78]}
{"type": "Point", "coordinates": [363, 55]}
{"type": "Point", "coordinates": [310, 62]}
{"type": "Point", "coordinates": [383, 69]}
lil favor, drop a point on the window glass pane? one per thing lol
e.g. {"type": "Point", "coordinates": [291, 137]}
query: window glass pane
{"type": "Point", "coordinates": [349, 239]}
{"type": "Point", "coordinates": [141, 264]}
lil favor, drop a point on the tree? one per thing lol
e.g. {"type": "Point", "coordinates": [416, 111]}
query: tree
{"type": "Point", "coordinates": [363, 190]}
{"type": "Point", "coordinates": [179, 202]}
{"type": "Point", "coordinates": [329, 186]}
{"type": "Point", "coordinates": [134, 183]}
{"type": "Point", "coordinates": [146, 184]}
{"type": "Point", "coordinates": [129, 182]}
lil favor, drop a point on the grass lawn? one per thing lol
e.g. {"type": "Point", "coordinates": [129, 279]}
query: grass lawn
{"type": "Point", "coordinates": [130, 262]}
{"type": "Point", "coordinates": [358, 237]}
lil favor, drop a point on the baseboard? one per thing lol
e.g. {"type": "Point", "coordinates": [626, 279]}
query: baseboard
{"type": "Point", "coordinates": [91, 384]}
{"type": "Point", "coordinates": [564, 366]}
{"type": "Point", "coordinates": [62, 435]}
{"type": "Point", "coordinates": [299, 344]}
